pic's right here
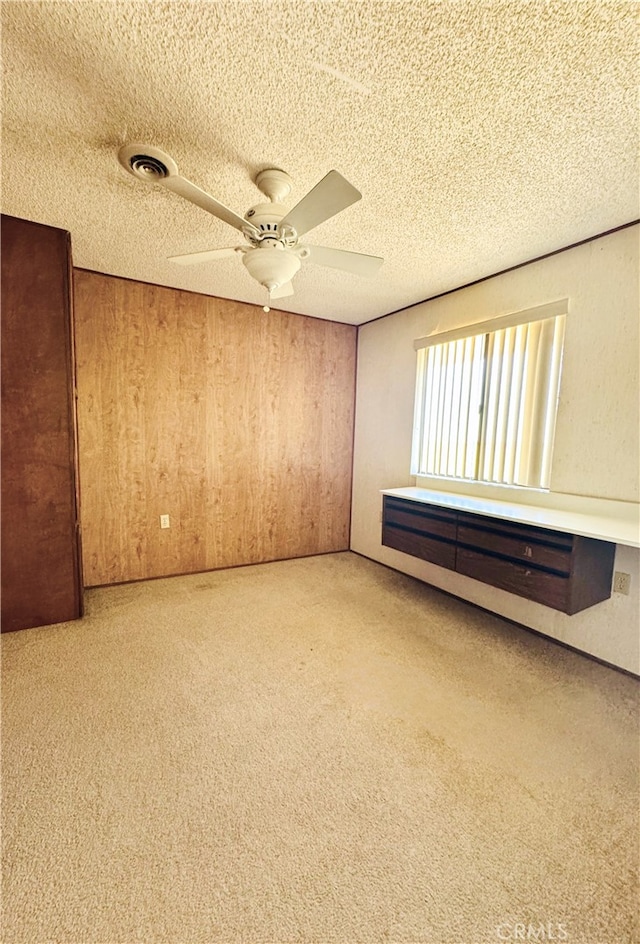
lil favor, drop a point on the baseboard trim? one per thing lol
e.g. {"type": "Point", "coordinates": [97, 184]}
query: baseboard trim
{"type": "Point", "coordinates": [213, 570]}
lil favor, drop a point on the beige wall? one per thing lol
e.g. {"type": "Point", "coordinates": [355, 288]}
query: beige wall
{"type": "Point", "coordinates": [597, 446]}
{"type": "Point", "coordinates": [236, 423]}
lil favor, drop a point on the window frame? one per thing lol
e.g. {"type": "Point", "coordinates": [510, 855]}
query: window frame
{"type": "Point", "coordinates": [551, 371]}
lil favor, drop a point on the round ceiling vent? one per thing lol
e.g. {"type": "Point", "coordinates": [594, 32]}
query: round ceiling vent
{"type": "Point", "coordinates": [144, 166]}
{"type": "Point", "coordinates": [146, 162]}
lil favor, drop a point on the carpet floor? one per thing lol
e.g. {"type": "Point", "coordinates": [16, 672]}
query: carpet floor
{"type": "Point", "coordinates": [319, 751]}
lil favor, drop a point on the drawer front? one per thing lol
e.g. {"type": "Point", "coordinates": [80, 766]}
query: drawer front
{"type": "Point", "coordinates": [516, 529]}
{"type": "Point", "coordinates": [426, 518]}
{"type": "Point", "coordinates": [538, 585]}
{"type": "Point", "coordinates": [520, 547]}
{"type": "Point", "coordinates": [420, 545]}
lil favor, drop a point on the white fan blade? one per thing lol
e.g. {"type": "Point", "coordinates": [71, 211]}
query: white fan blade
{"type": "Point", "coordinates": [356, 262]}
{"type": "Point", "coordinates": [331, 195]}
{"type": "Point", "coordinates": [282, 291]}
{"type": "Point", "coordinates": [193, 257]}
{"type": "Point", "coordinates": [184, 188]}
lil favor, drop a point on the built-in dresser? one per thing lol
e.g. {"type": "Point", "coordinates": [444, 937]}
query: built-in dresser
{"type": "Point", "coordinates": [560, 568]}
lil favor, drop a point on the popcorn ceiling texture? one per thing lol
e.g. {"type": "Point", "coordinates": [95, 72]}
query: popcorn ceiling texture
{"type": "Point", "coordinates": [480, 134]}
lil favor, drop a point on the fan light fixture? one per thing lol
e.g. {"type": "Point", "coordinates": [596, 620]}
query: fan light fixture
{"type": "Point", "coordinates": [272, 253]}
{"type": "Point", "coordinates": [270, 266]}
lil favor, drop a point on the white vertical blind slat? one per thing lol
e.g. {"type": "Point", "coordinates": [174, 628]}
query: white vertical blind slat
{"type": "Point", "coordinates": [432, 427]}
{"type": "Point", "coordinates": [502, 377]}
{"type": "Point", "coordinates": [489, 419]}
{"type": "Point", "coordinates": [546, 397]}
{"type": "Point", "coordinates": [419, 413]}
{"type": "Point", "coordinates": [463, 407]}
{"type": "Point", "coordinates": [458, 359]}
{"type": "Point", "coordinates": [445, 429]}
{"type": "Point", "coordinates": [522, 336]}
{"type": "Point", "coordinates": [525, 472]}
{"type": "Point", "coordinates": [476, 379]}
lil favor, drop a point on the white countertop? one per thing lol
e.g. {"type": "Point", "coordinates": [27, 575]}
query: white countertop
{"type": "Point", "coordinates": [606, 520]}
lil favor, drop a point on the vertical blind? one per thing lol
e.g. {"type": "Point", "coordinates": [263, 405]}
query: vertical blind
{"type": "Point", "coordinates": [486, 404]}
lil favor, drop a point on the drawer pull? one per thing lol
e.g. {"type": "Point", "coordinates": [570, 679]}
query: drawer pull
{"type": "Point", "coordinates": [528, 552]}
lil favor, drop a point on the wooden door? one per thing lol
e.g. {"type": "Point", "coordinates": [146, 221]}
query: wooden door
{"type": "Point", "coordinates": [41, 578]}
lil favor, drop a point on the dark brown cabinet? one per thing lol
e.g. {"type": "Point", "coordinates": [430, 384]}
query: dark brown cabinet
{"type": "Point", "coordinates": [41, 580]}
{"type": "Point", "coordinates": [564, 571]}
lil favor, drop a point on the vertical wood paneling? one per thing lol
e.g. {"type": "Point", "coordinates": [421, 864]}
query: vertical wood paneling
{"type": "Point", "coordinates": [127, 393]}
{"type": "Point", "coordinates": [192, 486]}
{"type": "Point", "coordinates": [236, 423]}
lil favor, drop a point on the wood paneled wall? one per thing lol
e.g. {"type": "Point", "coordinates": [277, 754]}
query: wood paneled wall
{"type": "Point", "coordinates": [41, 581]}
{"type": "Point", "coordinates": [236, 423]}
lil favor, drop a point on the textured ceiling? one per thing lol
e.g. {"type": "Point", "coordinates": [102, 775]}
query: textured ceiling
{"type": "Point", "coordinates": [481, 134]}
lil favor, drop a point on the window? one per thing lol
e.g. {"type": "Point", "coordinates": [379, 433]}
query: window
{"type": "Point", "coordinates": [486, 399]}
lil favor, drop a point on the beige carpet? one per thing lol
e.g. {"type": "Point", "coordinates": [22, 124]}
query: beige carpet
{"type": "Point", "coordinates": [316, 750]}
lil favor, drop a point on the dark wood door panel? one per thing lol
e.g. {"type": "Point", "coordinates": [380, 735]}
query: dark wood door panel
{"type": "Point", "coordinates": [40, 557]}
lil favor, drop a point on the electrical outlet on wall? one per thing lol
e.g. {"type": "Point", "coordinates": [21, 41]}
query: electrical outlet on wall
{"type": "Point", "coordinates": [621, 582]}
{"type": "Point", "coordinates": [164, 521]}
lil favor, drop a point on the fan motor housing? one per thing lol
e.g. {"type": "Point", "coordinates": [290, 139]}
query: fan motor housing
{"type": "Point", "coordinates": [266, 216]}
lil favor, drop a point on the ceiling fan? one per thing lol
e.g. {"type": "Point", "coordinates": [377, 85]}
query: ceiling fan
{"type": "Point", "coordinates": [272, 251]}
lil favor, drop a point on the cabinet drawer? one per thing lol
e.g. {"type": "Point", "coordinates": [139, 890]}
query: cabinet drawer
{"type": "Point", "coordinates": [539, 585]}
{"type": "Point", "coordinates": [423, 518]}
{"type": "Point", "coordinates": [529, 548]}
{"type": "Point", "coordinates": [516, 528]}
{"type": "Point", "coordinates": [420, 545]}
